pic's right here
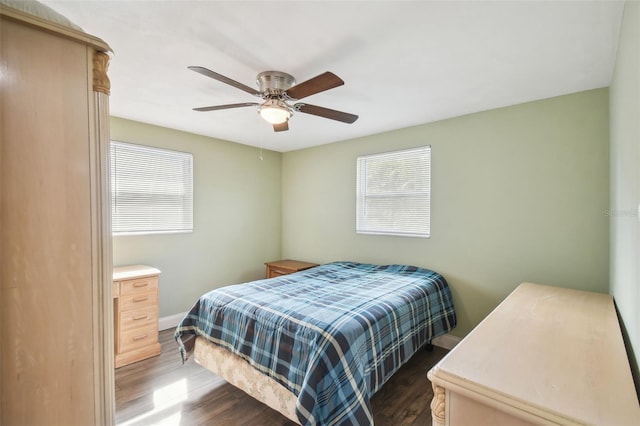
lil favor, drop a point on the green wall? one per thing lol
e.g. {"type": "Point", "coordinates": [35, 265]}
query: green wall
{"type": "Point", "coordinates": [237, 217]}
{"type": "Point", "coordinates": [518, 194]}
{"type": "Point", "coordinates": [625, 180]}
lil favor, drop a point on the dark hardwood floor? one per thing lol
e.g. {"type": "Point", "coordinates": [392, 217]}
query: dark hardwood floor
{"type": "Point", "coordinates": [162, 391]}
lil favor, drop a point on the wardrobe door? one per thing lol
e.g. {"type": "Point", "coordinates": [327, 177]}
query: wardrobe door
{"type": "Point", "coordinates": [46, 221]}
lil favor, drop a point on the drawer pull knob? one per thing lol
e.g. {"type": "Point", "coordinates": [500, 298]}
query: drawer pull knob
{"type": "Point", "coordinates": [140, 317]}
{"type": "Point", "coordinates": [141, 284]}
{"type": "Point", "coordinates": [140, 299]}
{"type": "Point", "coordinates": [142, 336]}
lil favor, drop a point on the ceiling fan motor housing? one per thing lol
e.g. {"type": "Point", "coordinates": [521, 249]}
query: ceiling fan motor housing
{"type": "Point", "coordinates": [274, 81]}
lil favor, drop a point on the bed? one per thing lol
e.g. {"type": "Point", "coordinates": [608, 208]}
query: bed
{"type": "Point", "coordinates": [317, 344]}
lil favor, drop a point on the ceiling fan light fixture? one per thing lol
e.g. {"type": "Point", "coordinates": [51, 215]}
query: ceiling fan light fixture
{"type": "Point", "coordinates": [274, 111]}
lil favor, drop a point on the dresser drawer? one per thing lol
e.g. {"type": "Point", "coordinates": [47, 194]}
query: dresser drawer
{"type": "Point", "coordinates": [135, 315]}
{"type": "Point", "coordinates": [138, 318]}
{"type": "Point", "coordinates": [138, 337]}
{"type": "Point", "coordinates": [138, 301]}
{"type": "Point", "coordinates": [140, 285]}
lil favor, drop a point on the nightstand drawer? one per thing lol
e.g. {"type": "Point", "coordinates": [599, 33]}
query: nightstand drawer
{"type": "Point", "coordinates": [285, 267]}
{"type": "Point", "coordinates": [140, 285]}
{"type": "Point", "coordinates": [137, 301]}
{"type": "Point", "coordinates": [275, 272]}
{"type": "Point", "coordinates": [138, 318]}
{"type": "Point", "coordinates": [135, 314]}
{"type": "Point", "coordinates": [138, 337]}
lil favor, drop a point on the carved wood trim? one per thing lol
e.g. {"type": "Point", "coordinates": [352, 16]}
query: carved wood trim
{"type": "Point", "coordinates": [101, 81]}
{"type": "Point", "coordinates": [438, 405]}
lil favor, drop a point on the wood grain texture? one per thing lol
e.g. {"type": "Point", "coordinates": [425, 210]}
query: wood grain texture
{"type": "Point", "coordinates": [101, 82]}
{"type": "Point", "coordinates": [55, 245]}
{"type": "Point", "coordinates": [198, 396]}
{"type": "Point", "coordinates": [548, 355]}
{"type": "Point", "coordinates": [135, 308]}
{"type": "Point", "coordinates": [47, 275]}
{"type": "Point", "coordinates": [102, 263]}
{"type": "Point", "coordinates": [286, 266]}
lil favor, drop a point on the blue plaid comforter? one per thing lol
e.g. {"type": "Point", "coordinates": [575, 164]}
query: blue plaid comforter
{"type": "Point", "coordinates": [332, 334]}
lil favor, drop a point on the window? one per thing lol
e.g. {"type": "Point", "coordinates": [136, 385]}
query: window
{"type": "Point", "coordinates": [393, 193]}
{"type": "Point", "coordinates": [151, 190]}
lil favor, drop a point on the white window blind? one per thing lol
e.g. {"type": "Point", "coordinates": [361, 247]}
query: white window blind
{"type": "Point", "coordinates": [393, 193]}
{"type": "Point", "coordinates": [151, 190]}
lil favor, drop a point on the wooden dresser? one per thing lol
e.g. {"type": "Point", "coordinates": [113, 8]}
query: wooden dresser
{"type": "Point", "coordinates": [287, 266]}
{"type": "Point", "coordinates": [545, 355]}
{"type": "Point", "coordinates": [135, 312]}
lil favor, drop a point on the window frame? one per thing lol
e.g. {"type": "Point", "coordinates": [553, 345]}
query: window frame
{"type": "Point", "coordinates": [364, 222]}
{"type": "Point", "coordinates": [139, 222]}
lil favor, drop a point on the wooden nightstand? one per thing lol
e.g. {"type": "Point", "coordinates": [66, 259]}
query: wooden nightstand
{"type": "Point", "coordinates": [135, 312]}
{"type": "Point", "coordinates": [284, 267]}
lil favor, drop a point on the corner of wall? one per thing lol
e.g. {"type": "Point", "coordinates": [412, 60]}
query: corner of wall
{"type": "Point", "coordinates": [624, 156]}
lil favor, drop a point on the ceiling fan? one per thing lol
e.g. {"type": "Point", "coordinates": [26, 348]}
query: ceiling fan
{"type": "Point", "coordinates": [277, 89]}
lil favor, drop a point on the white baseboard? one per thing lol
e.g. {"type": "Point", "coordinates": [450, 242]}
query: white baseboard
{"type": "Point", "coordinates": [171, 321]}
{"type": "Point", "coordinates": [447, 341]}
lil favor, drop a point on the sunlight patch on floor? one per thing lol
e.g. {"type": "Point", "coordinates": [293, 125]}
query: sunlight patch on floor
{"type": "Point", "coordinates": [166, 406]}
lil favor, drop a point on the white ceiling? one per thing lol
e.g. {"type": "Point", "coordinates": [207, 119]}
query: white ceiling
{"type": "Point", "coordinates": [403, 63]}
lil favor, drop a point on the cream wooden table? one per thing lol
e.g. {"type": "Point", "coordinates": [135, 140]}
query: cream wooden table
{"type": "Point", "coordinates": [545, 355]}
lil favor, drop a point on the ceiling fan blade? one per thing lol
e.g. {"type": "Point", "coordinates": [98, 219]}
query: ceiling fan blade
{"type": "Point", "coordinates": [223, 79]}
{"type": "Point", "coordinates": [332, 114]}
{"type": "Point", "coordinates": [317, 84]}
{"type": "Point", "coordinates": [228, 106]}
{"type": "Point", "coordinates": [281, 127]}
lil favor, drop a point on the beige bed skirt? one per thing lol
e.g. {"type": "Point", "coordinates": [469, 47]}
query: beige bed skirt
{"type": "Point", "coordinates": [239, 373]}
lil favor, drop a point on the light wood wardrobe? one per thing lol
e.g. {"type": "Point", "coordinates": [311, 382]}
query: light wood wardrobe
{"type": "Point", "coordinates": [56, 333]}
